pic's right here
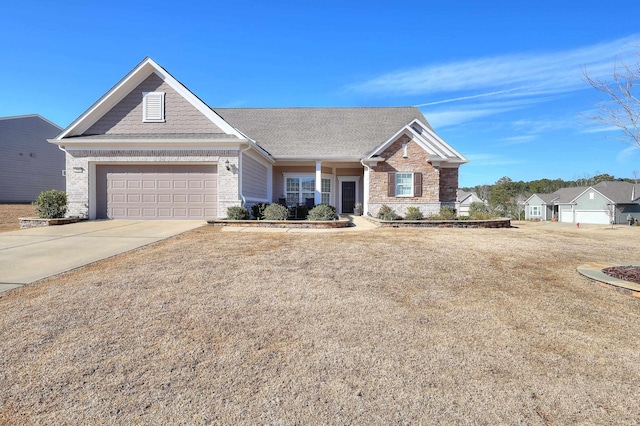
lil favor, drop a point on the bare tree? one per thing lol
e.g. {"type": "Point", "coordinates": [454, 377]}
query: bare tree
{"type": "Point", "coordinates": [619, 101]}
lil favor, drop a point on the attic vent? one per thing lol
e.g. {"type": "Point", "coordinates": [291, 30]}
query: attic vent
{"type": "Point", "coordinates": [417, 128]}
{"type": "Point", "coordinates": [153, 107]}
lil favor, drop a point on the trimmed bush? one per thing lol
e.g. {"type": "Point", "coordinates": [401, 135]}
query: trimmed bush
{"type": "Point", "coordinates": [237, 213]}
{"type": "Point", "coordinates": [478, 207]}
{"type": "Point", "coordinates": [51, 204]}
{"type": "Point", "coordinates": [447, 212]}
{"type": "Point", "coordinates": [257, 210]}
{"type": "Point", "coordinates": [387, 213]}
{"type": "Point", "coordinates": [413, 213]}
{"type": "Point", "coordinates": [322, 212]}
{"type": "Point", "coordinates": [276, 212]}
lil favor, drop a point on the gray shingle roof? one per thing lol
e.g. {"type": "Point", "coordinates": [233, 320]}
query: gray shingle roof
{"type": "Point", "coordinates": [320, 132]}
{"type": "Point", "coordinates": [618, 192]}
{"type": "Point", "coordinates": [547, 198]}
{"type": "Point", "coordinates": [566, 195]}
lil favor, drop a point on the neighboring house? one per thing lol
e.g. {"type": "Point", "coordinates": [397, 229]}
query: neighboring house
{"type": "Point", "coordinates": [28, 164]}
{"type": "Point", "coordinates": [464, 200]}
{"type": "Point", "coordinates": [604, 203]}
{"type": "Point", "coordinates": [149, 148]}
{"type": "Point", "coordinates": [539, 207]}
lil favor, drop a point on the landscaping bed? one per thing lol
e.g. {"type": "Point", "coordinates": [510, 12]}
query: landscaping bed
{"type": "Point", "coordinates": [298, 224]}
{"type": "Point", "coordinates": [629, 273]}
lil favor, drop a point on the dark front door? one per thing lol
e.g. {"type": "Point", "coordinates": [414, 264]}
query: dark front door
{"type": "Point", "coordinates": [348, 196]}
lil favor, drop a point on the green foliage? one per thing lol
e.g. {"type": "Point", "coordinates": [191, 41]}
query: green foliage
{"type": "Point", "coordinates": [483, 216]}
{"type": "Point", "coordinates": [276, 212]}
{"type": "Point", "coordinates": [478, 207]}
{"type": "Point", "coordinates": [322, 212]}
{"type": "Point", "coordinates": [257, 210]}
{"type": "Point", "coordinates": [301, 211]}
{"type": "Point", "coordinates": [387, 213]}
{"type": "Point", "coordinates": [237, 213]}
{"type": "Point", "coordinates": [447, 212]}
{"type": "Point", "coordinates": [51, 204]}
{"type": "Point", "coordinates": [413, 213]}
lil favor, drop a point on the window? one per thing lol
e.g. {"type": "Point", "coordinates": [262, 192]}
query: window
{"type": "Point", "coordinates": [404, 184]}
{"type": "Point", "coordinates": [534, 211]}
{"type": "Point", "coordinates": [153, 107]}
{"type": "Point", "coordinates": [591, 195]}
{"type": "Point", "coordinates": [300, 188]}
{"type": "Point", "coordinates": [404, 150]}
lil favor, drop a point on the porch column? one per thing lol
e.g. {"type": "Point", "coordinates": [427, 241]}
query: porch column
{"type": "Point", "coordinates": [318, 193]}
{"type": "Point", "coordinates": [365, 187]}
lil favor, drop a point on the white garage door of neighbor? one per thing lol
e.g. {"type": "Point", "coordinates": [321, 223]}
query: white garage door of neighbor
{"type": "Point", "coordinates": [565, 216]}
{"type": "Point", "coordinates": [156, 191]}
{"type": "Point", "coordinates": [593, 216]}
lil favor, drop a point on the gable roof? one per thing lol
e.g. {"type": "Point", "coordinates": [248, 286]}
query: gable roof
{"type": "Point", "coordinates": [129, 82]}
{"type": "Point", "coordinates": [619, 192]}
{"type": "Point", "coordinates": [463, 195]}
{"type": "Point", "coordinates": [319, 132]}
{"type": "Point", "coordinates": [567, 195]}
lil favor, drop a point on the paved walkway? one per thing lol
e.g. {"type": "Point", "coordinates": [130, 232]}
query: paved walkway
{"type": "Point", "coordinates": [32, 254]}
{"type": "Point", "coordinates": [358, 223]}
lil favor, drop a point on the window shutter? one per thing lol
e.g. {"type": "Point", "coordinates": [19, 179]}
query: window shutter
{"type": "Point", "coordinates": [153, 106]}
{"type": "Point", "coordinates": [417, 184]}
{"type": "Point", "coordinates": [391, 187]}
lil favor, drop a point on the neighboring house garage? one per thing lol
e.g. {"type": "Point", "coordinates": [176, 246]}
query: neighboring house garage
{"type": "Point", "coordinates": [156, 191]}
{"type": "Point", "coordinates": [593, 216]}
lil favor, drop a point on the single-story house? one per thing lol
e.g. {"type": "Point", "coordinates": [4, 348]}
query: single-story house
{"type": "Point", "coordinates": [28, 164]}
{"type": "Point", "coordinates": [151, 149]}
{"type": "Point", "coordinates": [603, 203]}
{"type": "Point", "coordinates": [464, 200]}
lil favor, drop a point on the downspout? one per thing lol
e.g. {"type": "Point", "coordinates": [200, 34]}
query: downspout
{"type": "Point", "coordinates": [365, 188]}
{"type": "Point", "coordinates": [244, 200]}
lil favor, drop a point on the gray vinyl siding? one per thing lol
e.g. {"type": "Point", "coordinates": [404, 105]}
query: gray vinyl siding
{"type": "Point", "coordinates": [28, 163]}
{"type": "Point", "coordinates": [535, 201]}
{"type": "Point", "coordinates": [254, 178]}
{"type": "Point", "coordinates": [599, 202]}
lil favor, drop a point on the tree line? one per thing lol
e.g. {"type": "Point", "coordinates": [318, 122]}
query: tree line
{"type": "Point", "coordinates": [506, 197]}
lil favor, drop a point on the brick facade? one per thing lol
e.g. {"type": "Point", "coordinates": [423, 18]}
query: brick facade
{"type": "Point", "coordinates": [438, 184]}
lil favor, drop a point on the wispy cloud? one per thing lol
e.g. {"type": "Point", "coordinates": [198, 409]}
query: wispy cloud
{"type": "Point", "coordinates": [519, 75]}
{"type": "Point", "coordinates": [628, 154]}
{"type": "Point", "coordinates": [518, 140]}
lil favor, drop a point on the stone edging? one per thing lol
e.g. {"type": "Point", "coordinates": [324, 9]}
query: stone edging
{"type": "Point", "coordinates": [594, 272]}
{"type": "Point", "coordinates": [489, 223]}
{"type": "Point", "coordinates": [36, 222]}
{"type": "Point", "coordinates": [299, 224]}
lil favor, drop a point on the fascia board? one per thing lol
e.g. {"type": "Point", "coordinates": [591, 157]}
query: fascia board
{"type": "Point", "coordinates": [109, 99]}
{"type": "Point", "coordinates": [335, 158]}
{"type": "Point", "coordinates": [126, 85]}
{"type": "Point", "coordinates": [438, 140]}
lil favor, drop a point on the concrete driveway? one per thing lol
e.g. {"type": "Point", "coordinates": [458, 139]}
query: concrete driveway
{"type": "Point", "coordinates": [32, 254]}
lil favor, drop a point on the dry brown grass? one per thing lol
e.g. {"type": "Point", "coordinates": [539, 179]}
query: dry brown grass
{"type": "Point", "coordinates": [390, 326]}
{"type": "Point", "coordinates": [10, 213]}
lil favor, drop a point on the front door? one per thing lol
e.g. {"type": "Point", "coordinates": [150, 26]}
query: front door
{"type": "Point", "coordinates": [348, 196]}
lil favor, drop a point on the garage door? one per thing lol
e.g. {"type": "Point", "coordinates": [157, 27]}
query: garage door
{"type": "Point", "coordinates": [156, 192]}
{"type": "Point", "coordinates": [565, 216]}
{"type": "Point", "coordinates": [592, 216]}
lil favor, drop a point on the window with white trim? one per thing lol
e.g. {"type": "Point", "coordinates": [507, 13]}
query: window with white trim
{"type": "Point", "coordinates": [535, 211]}
{"type": "Point", "coordinates": [299, 188]}
{"type": "Point", "coordinates": [153, 107]}
{"type": "Point", "coordinates": [404, 184]}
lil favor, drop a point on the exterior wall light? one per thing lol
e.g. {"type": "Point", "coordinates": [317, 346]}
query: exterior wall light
{"type": "Point", "coordinates": [227, 165]}
{"type": "Point", "coordinates": [78, 170]}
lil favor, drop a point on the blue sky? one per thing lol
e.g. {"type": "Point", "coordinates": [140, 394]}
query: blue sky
{"type": "Point", "coordinates": [501, 81]}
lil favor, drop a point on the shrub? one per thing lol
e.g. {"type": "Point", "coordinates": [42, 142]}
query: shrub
{"type": "Point", "coordinates": [413, 213]}
{"type": "Point", "coordinates": [322, 212]}
{"type": "Point", "coordinates": [276, 212]}
{"type": "Point", "coordinates": [483, 216]}
{"type": "Point", "coordinates": [387, 213]}
{"type": "Point", "coordinates": [447, 212]}
{"type": "Point", "coordinates": [51, 204]}
{"type": "Point", "coordinates": [478, 207]}
{"type": "Point", "coordinates": [237, 213]}
{"type": "Point", "coordinates": [257, 210]}
{"type": "Point", "coordinates": [301, 211]}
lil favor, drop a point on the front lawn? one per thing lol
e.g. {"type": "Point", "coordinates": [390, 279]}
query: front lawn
{"type": "Point", "coordinates": [402, 326]}
{"type": "Point", "coordinates": [10, 213]}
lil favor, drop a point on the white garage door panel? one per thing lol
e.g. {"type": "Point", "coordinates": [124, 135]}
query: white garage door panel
{"type": "Point", "coordinates": [157, 191]}
{"type": "Point", "coordinates": [597, 217]}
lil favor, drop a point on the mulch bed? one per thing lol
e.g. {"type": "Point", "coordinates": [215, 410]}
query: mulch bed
{"type": "Point", "coordinates": [627, 273]}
